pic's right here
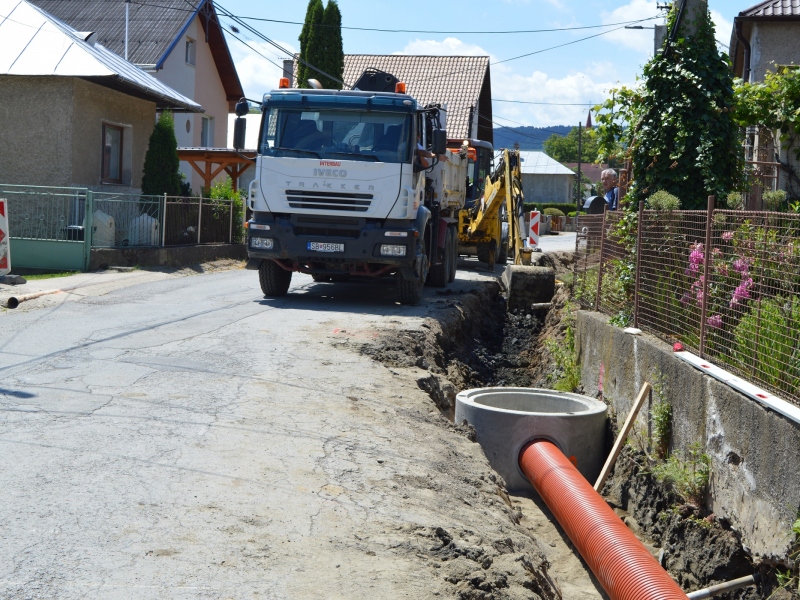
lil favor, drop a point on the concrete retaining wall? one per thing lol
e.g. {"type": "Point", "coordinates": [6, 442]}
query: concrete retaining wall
{"type": "Point", "coordinates": [755, 452]}
{"type": "Point", "coordinates": [174, 256]}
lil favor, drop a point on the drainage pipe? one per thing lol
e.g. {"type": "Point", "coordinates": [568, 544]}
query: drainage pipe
{"type": "Point", "coordinates": [728, 586]}
{"type": "Point", "coordinates": [622, 565]}
{"type": "Point", "coordinates": [15, 301]}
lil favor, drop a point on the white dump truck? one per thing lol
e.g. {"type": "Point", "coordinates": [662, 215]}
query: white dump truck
{"type": "Point", "coordinates": [355, 184]}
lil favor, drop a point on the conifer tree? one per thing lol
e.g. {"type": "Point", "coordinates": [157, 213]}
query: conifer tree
{"type": "Point", "coordinates": [311, 47]}
{"type": "Point", "coordinates": [161, 163]}
{"type": "Point", "coordinates": [334, 51]}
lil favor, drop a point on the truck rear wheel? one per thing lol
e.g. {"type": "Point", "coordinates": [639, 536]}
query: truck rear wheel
{"type": "Point", "coordinates": [273, 278]}
{"type": "Point", "coordinates": [452, 248]}
{"type": "Point", "coordinates": [439, 274]}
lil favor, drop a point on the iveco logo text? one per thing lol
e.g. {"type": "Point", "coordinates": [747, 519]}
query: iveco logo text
{"type": "Point", "coordinates": [330, 173]}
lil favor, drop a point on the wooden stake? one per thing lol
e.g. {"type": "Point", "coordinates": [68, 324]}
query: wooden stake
{"type": "Point", "coordinates": [623, 434]}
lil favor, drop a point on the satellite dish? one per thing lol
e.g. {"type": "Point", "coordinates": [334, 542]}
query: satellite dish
{"type": "Point", "coordinates": [315, 84]}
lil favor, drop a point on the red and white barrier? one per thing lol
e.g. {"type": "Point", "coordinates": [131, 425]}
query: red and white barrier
{"type": "Point", "coordinates": [5, 245]}
{"type": "Point", "coordinates": [533, 230]}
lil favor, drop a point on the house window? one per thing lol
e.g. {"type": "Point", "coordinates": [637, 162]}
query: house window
{"type": "Point", "coordinates": [112, 154]}
{"type": "Point", "coordinates": [190, 51]}
{"type": "Point", "coordinates": [207, 133]}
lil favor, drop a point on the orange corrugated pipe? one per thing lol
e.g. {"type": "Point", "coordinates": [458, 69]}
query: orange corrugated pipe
{"type": "Point", "coordinates": [624, 567]}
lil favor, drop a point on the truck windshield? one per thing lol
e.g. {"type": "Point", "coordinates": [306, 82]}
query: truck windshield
{"type": "Point", "coordinates": [337, 134]}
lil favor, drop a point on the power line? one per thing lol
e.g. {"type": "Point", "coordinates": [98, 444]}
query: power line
{"type": "Point", "coordinates": [534, 52]}
{"type": "Point", "coordinates": [426, 31]}
{"type": "Point", "coordinates": [548, 103]}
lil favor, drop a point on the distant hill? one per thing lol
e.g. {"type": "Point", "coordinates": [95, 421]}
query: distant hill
{"type": "Point", "coordinates": [529, 138]}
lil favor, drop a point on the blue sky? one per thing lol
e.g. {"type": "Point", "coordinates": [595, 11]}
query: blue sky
{"type": "Point", "coordinates": [582, 72]}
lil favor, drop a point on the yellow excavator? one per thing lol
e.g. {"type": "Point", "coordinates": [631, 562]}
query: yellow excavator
{"type": "Point", "coordinates": [491, 224]}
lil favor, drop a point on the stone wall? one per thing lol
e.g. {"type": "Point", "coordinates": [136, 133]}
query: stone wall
{"type": "Point", "coordinates": [755, 451]}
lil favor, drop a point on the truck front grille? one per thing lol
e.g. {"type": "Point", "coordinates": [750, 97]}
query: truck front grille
{"type": "Point", "coordinates": [343, 201]}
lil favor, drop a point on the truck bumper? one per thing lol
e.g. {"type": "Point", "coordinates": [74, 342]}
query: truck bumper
{"type": "Point", "coordinates": [359, 244]}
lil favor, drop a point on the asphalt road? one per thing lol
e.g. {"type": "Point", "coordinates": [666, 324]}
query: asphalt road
{"type": "Point", "coordinates": [183, 437]}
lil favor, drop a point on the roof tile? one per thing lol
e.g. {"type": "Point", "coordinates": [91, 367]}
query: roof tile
{"type": "Point", "coordinates": [773, 8]}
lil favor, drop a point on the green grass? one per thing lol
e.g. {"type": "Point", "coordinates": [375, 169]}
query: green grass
{"type": "Point", "coordinates": [49, 275]}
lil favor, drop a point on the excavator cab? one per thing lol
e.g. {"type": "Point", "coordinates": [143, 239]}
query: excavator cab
{"type": "Point", "coordinates": [481, 164]}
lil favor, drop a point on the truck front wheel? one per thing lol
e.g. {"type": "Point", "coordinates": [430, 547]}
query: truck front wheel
{"type": "Point", "coordinates": [409, 286]}
{"type": "Point", "coordinates": [273, 278]}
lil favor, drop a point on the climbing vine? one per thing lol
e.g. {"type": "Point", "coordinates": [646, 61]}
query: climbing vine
{"type": "Point", "coordinates": [677, 126]}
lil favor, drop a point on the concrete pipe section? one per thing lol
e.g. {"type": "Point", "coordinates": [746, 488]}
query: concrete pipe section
{"type": "Point", "coordinates": [506, 419]}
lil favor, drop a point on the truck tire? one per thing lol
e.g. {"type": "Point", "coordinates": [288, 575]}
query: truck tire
{"type": "Point", "coordinates": [409, 288]}
{"type": "Point", "coordinates": [452, 248]}
{"type": "Point", "coordinates": [273, 278]}
{"type": "Point", "coordinates": [438, 274]}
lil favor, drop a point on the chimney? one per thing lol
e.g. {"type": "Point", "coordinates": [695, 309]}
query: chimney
{"type": "Point", "coordinates": [288, 70]}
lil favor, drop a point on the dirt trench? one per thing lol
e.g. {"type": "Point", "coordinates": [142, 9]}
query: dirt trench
{"type": "Point", "coordinates": [471, 341]}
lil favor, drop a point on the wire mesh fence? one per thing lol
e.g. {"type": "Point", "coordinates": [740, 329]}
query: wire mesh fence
{"type": "Point", "coordinates": [726, 284]}
{"type": "Point", "coordinates": [45, 213]}
{"type": "Point", "coordinates": [198, 221]}
{"type": "Point", "coordinates": [121, 220]}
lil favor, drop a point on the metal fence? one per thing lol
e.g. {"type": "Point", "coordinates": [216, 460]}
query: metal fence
{"type": "Point", "coordinates": [54, 227]}
{"type": "Point", "coordinates": [726, 284]}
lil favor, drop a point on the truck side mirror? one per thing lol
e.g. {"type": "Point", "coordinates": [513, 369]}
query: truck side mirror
{"type": "Point", "coordinates": [439, 141]}
{"type": "Point", "coordinates": [239, 127]}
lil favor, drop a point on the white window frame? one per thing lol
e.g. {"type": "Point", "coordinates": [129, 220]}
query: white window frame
{"type": "Point", "coordinates": [191, 52]}
{"type": "Point", "coordinates": [207, 132]}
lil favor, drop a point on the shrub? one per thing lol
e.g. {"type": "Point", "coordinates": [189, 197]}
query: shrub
{"type": "Point", "coordinates": [773, 199]}
{"type": "Point", "coordinates": [224, 191]}
{"type": "Point", "coordinates": [161, 173]}
{"type": "Point", "coordinates": [687, 476]}
{"type": "Point", "coordinates": [554, 212]}
{"type": "Point", "coordinates": [734, 201]}
{"type": "Point", "coordinates": [769, 341]}
{"type": "Point", "coordinates": [663, 200]}
{"type": "Point", "coordinates": [572, 214]}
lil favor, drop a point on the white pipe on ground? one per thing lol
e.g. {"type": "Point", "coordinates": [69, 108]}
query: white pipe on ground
{"type": "Point", "coordinates": [728, 586]}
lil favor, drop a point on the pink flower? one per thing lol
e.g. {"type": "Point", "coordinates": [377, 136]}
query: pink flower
{"type": "Point", "coordinates": [742, 292]}
{"type": "Point", "coordinates": [741, 265]}
{"type": "Point", "coordinates": [714, 321]}
{"type": "Point", "coordinates": [686, 298]}
{"type": "Point", "coordinates": [727, 236]}
{"type": "Point", "coordinates": [696, 257]}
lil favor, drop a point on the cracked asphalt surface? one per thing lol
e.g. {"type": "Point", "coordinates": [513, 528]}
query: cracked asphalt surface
{"type": "Point", "coordinates": [183, 437]}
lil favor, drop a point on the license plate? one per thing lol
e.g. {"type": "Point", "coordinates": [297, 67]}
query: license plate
{"type": "Point", "coordinates": [325, 247]}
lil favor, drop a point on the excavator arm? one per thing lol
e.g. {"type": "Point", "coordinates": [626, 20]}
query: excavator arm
{"type": "Point", "coordinates": [502, 199]}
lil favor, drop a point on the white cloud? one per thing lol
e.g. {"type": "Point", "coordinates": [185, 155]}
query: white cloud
{"type": "Point", "coordinates": [559, 94]}
{"type": "Point", "coordinates": [723, 29]}
{"type": "Point", "coordinates": [448, 47]}
{"type": "Point", "coordinates": [256, 73]}
{"type": "Point", "coordinates": [640, 40]}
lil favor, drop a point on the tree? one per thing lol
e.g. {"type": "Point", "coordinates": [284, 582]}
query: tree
{"type": "Point", "coordinates": [160, 174]}
{"type": "Point", "coordinates": [564, 149]}
{"type": "Point", "coordinates": [311, 48]}
{"type": "Point", "coordinates": [334, 50]}
{"type": "Point", "coordinates": [678, 125]}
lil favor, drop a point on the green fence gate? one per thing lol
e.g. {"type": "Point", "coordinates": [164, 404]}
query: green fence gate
{"type": "Point", "coordinates": [49, 227]}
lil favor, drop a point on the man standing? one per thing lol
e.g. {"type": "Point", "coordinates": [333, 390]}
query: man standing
{"type": "Point", "coordinates": [609, 180]}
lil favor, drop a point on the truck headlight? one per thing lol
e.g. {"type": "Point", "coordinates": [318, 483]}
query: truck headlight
{"type": "Point", "coordinates": [392, 250]}
{"type": "Point", "coordinates": [260, 243]}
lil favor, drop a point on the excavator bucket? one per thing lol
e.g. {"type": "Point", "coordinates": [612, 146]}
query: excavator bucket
{"type": "Point", "coordinates": [530, 288]}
